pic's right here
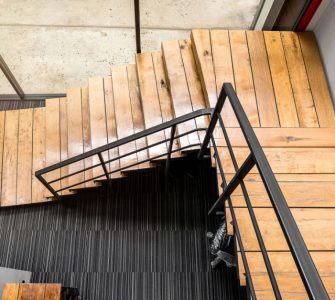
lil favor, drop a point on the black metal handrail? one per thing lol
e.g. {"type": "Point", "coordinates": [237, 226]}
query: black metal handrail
{"type": "Point", "coordinates": [304, 262]}
{"type": "Point", "coordinates": [308, 272]}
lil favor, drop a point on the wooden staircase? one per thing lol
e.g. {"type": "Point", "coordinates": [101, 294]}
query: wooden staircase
{"type": "Point", "coordinates": [280, 81]}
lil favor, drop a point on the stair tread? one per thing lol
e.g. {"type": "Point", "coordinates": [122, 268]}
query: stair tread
{"type": "Point", "coordinates": [123, 114]}
{"type": "Point", "coordinates": [97, 121]}
{"type": "Point", "coordinates": [178, 85]}
{"type": "Point", "coordinates": [150, 101]}
{"type": "Point", "coordinates": [286, 273]}
{"type": "Point", "coordinates": [24, 156]}
{"type": "Point", "coordinates": [75, 134]}
{"type": "Point", "coordinates": [9, 166]}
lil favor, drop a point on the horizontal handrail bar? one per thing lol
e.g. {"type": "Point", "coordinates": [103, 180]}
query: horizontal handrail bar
{"type": "Point", "coordinates": [128, 139]}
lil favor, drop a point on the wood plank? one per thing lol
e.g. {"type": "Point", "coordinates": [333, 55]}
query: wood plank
{"type": "Point", "coordinates": [52, 140]}
{"type": "Point", "coordinates": [317, 79]}
{"type": "Point", "coordinates": [164, 96]}
{"type": "Point", "coordinates": [194, 84]}
{"type": "Point", "coordinates": [29, 291]}
{"type": "Point", "coordinates": [284, 137]}
{"type": "Point", "coordinates": [181, 100]}
{"type": "Point", "coordinates": [10, 291]}
{"type": "Point", "coordinates": [299, 80]}
{"type": "Point", "coordinates": [111, 126]}
{"type": "Point", "coordinates": [204, 59]}
{"type": "Point", "coordinates": [52, 291]}
{"type": "Point", "coordinates": [2, 133]}
{"type": "Point", "coordinates": [25, 156]}
{"type": "Point", "coordinates": [243, 75]}
{"type": "Point", "coordinates": [266, 102]}
{"type": "Point", "coordinates": [123, 114]}
{"type": "Point", "coordinates": [75, 134]}
{"type": "Point", "coordinates": [321, 220]}
{"type": "Point", "coordinates": [150, 101]}
{"type": "Point", "coordinates": [98, 120]}
{"type": "Point", "coordinates": [138, 120]}
{"type": "Point", "coordinates": [38, 189]}
{"type": "Point", "coordinates": [223, 68]}
{"type": "Point", "coordinates": [9, 165]}
{"type": "Point", "coordinates": [63, 127]}
{"type": "Point", "coordinates": [287, 111]}
{"type": "Point", "coordinates": [288, 160]}
{"type": "Point", "coordinates": [320, 194]}
{"type": "Point", "coordinates": [286, 272]}
{"type": "Point", "coordinates": [87, 143]}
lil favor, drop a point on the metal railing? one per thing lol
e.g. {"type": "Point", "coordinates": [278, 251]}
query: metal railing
{"type": "Point", "coordinates": [303, 260]}
{"type": "Point", "coordinates": [20, 95]}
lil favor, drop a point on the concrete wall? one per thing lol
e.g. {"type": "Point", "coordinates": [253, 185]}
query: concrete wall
{"type": "Point", "coordinates": [323, 25]}
{"type": "Point", "coordinates": [51, 45]}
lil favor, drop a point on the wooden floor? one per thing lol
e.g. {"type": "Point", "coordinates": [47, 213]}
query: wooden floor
{"type": "Point", "coordinates": [29, 291]}
{"type": "Point", "coordinates": [280, 81]}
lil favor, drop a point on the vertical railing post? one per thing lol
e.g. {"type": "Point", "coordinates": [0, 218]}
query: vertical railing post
{"type": "Point", "coordinates": [212, 124]}
{"type": "Point", "coordinates": [104, 168]}
{"type": "Point", "coordinates": [137, 25]}
{"type": "Point", "coordinates": [167, 165]}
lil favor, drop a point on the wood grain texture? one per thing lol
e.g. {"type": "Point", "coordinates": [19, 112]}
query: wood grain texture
{"type": "Point", "coordinates": [223, 68]}
{"type": "Point", "coordinates": [287, 160]}
{"type": "Point", "coordinates": [9, 164]}
{"type": "Point", "coordinates": [75, 134]}
{"type": "Point", "coordinates": [111, 126]}
{"type": "Point", "coordinates": [194, 84]}
{"type": "Point", "coordinates": [25, 156]}
{"type": "Point", "coordinates": [164, 96]}
{"type": "Point", "coordinates": [299, 80]}
{"type": "Point", "coordinates": [87, 143]}
{"type": "Point", "coordinates": [287, 111]}
{"type": "Point", "coordinates": [204, 59]}
{"type": "Point", "coordinates": [150, 101]}
{"type": "Point", "coordinates": [31, 291]}
{"type": "Point", "coordinates": [52, 291]}
{"type": "Point", "coordinates": [52, 140]}
{"type": "Point", "coordinates": [266, 102]}
{"type": "Point", "coordinates": [181, 100]}
{"type": "Point", "coordinates": [243, 75]}
{"type": "Point", "coordinates": [123, 115]}
{"type": "Point", "coordinates": [2, 133]}
{"type": "Point", "coordinates": [63, 129]}
{"type": "Point", "coordinates": [317, 79]}
{"type": "Point", "coordinates": [138, 120]}
{"type": "Point", "coordinates": [97, 120]}
{"type": "Point", "coordinates": [322, 220]}
{"type": "Point", "coordinates": [284, 137]}
{"type": "Point", "coordinates": [10, 291]}
{"type": "Point", "coordinates": [38, 189]}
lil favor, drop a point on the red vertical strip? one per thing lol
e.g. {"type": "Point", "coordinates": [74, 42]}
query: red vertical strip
{"type": "Point", "coordinates": [307, 17]}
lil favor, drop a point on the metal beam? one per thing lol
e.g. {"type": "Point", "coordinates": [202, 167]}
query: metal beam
{"type": "Point", "coordinates": [11, 78]}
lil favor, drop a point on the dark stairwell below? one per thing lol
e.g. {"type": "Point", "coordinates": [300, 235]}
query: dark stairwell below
{"type": "Point", "coordinates": [139, 240]}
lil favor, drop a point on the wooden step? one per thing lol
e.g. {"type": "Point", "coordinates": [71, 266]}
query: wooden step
{"type": "Point", "coordinates": [283, 137]}
{"type": "Point", "coordinates": [75, 139]}
{"type": "Point", "coordinates": [311, 222]}
{"type": "Point", "coordinates": [153, 111]}
{"type": "Point", "coordinates": [286, 273]}
{"type": "Point", "coordinates": [185, 87]}
{"type": "Point", "coordinates": [137, 114]}
{"type": "Point", "coordinates": [123, 115]}
{"type": "Point", "coordinates": [38, 291]}
{"type": "Point", "coordinates": [287, 160]}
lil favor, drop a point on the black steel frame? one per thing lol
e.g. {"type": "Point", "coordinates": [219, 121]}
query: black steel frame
{"type": "Point", "coordinates": [20, 95]}
{"type": "Point", "coordinates": [304, 262]}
